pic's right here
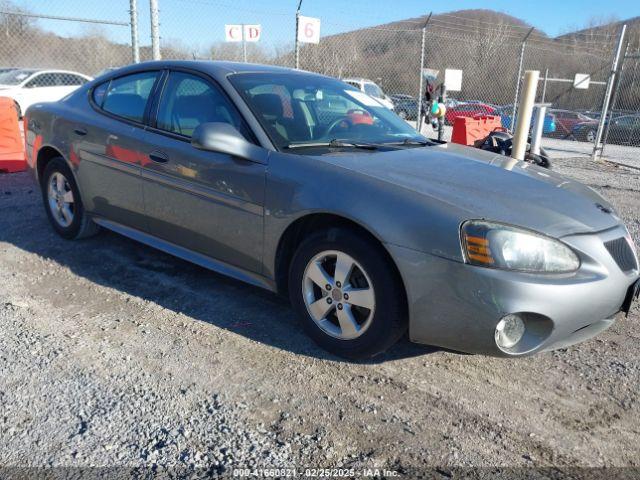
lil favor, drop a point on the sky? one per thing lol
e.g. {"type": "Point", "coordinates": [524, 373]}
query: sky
{"type": "Point", "coordinates": [198, 23]}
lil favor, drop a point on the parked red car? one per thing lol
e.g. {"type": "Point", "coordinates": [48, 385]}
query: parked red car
{"type": "Point", "coordinates": [566, 120]}
{"type": "Point", "coordinates": [469, 110]}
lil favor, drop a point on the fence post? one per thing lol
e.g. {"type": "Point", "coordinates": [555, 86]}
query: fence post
{"type": "Point", "coordinates": [544, 85]}
{"type": "Point", "coordinates": [297, 44]}
{"type": "Point", "coordinates": [520, 65]}
{"type": "Point", "coordinates": [607, 93]}
{"type": "Point", "coordinates": [420, 84]}
{"type": "Point", "coordinates": [614, 100]}
{"type": "Point", "coordinates": [135, 46]}
{"type": "Point", "coordinates": [155, 29]}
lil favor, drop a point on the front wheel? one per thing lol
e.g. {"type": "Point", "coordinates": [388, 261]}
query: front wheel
{"type": "Point", "coordinates": [347, 294]}
{"type": "Point", "coordinates": [590, 136]}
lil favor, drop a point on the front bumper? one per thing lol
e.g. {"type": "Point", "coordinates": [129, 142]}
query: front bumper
{"type": "Point", "coordinates": [457, 306]}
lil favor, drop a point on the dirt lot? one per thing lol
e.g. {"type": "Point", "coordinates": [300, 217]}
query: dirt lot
{"type": "Point", "coordinates": [114, 354]}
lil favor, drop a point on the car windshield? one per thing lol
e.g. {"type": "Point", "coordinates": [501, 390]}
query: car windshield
{"type": "Point", "coordinates": [298, 109]}
{"type": "Point", "coordinates": [15, 77]}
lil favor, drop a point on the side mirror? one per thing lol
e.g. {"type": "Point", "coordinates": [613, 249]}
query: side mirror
{"type": "Point", "coordinates": [224, 138]}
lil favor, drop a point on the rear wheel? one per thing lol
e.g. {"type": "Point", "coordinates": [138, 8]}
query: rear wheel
{"type": "Point", "coordinates": [347, 293]}
{"type": "Point", "coordinates": [403, 114]}
{"type": "Point", "coordinates": [590, 136]}
{"type": "Point", "coordinates": [62, 202]}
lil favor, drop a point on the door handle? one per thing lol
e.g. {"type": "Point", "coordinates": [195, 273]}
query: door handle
{"type": "Point", "coordinates": [80, 131]}
{"type": "Point", "coordinates": [159, 157]}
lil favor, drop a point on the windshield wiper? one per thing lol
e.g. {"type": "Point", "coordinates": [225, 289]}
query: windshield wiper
{"type": "Point", "coordinates": [335, 143]}
{"type": "Point", "coordinates": [411, 141]}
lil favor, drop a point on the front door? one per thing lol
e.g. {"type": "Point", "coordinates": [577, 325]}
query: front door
{"type": "Point", "coordinates": [209, 202]}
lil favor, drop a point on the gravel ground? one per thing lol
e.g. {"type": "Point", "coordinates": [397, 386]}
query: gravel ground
{"type": "Point", "coordinates": [112, 354]}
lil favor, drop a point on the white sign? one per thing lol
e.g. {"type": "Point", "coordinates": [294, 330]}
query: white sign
{"type": "Point", "coordinates": [252, 33]}
{"type": "Point", "coordinates": [581, 80]}
{"type": "Point", "coordinates": [453, 80]}
{"type": "Point", "coordinates": [234, 33]}
{"type": "Point", "coordinates": [308, 29]}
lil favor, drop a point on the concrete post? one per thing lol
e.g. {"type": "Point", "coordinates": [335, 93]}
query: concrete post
{"type": "Point", "coordinates": [521, 133]}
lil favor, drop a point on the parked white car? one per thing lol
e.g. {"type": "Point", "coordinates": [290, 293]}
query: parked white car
{"type": "Point", "coordinates": [29, 86]}
{"type": "Point", "coordinates": [372, 89]}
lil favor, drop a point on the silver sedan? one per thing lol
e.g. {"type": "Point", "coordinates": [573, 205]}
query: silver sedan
{"type": "Point", "coordinates": [306, 186]}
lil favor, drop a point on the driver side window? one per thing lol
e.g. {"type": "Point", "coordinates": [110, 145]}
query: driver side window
{"type": "Point", "coordinates": [189, 100]}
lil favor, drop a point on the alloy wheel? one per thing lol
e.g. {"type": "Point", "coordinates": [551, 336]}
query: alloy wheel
{"type": "Point", "coordinates": [61, 201]}
{"type": "Point", "coordinates": [338, 294]}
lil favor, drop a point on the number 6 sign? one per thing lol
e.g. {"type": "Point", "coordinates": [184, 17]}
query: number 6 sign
{"type": "Point", "coordinates": [308, 29]}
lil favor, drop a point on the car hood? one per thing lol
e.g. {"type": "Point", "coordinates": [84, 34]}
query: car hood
{"type": "Point", "coordinates": [472, 183]}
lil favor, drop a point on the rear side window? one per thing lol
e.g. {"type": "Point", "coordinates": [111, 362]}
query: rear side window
{"type": "Point", "coordinates": [42, 80]}
{"type": "Point", "coordinates": [127, 96]}
{"type": "Point", "coordinates": [69, 79]}
{"type": "Point", "coordinates": [98, 93]}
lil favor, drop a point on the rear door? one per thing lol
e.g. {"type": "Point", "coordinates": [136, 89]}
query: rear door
{"type": "Point", "coordinates": [109, 148]}
{"type": "Point", "coordinates": [208, 202]}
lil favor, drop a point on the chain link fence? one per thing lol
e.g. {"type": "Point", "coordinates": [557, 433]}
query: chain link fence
{"type": "Point", "coordinates": [385, 60]}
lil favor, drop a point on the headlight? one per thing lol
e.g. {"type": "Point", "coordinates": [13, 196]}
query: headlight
{"type": "Point", "coordinates": [495, 245]}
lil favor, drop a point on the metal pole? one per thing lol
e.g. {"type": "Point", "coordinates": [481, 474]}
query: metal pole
{"type": "Point", "coordinates": [244, 46]}
{"type": "Point", "coordinates": [607, 93]}
{"type": "Point", "coordinates": [614, 99]}
{"type": "Point", "coordinates": [155, 29]}
{"type": "Point", "coordinates": [135, 46]}
{"type": "Point", "coordinates": [297, 44]}
{"type": "Point", "coordinates": [520, 65]}
{"type": "Point", "coordinates": [420, 83]}
{"type": "Point", "coordinates": [544, 85]}
{"type": "Point", "coordinates": [538, 127]}
{"type": "Point", "coordinates": [443, 99]}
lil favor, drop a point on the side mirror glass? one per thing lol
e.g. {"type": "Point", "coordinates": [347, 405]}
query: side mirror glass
{"type": "Point", "coordinates": [225, 138]}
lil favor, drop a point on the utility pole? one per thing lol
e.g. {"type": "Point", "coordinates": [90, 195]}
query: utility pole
{"type": "Point", "coordinates": [297, 44]}
{"type": "Point", "coordinates": [520, 65]}
{"type": "Point", "coordinates": [421, 85]}
{"type": "Point", "coordinates": [607, 93]}
{"type": "Point", "coordinates": [155, 29]}
{"type": "Point", "coordinates": [135, 47]}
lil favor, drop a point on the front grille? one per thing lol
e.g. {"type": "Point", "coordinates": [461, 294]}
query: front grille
{"type": "Point", "coordinates": [622, 253]}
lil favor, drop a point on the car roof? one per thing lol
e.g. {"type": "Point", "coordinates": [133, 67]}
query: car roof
{"type": "Point", "coordinates": [213, 67]}
{"type": "Point", "coordinates": [34, 71]}
{"type": "Point", "coordinates": [363, 80]}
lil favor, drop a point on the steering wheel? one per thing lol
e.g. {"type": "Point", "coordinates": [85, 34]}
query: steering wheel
{"type": "Point", "coordinates": [339, 122]}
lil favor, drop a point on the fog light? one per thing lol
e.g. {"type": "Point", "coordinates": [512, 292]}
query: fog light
{"type": "Point", "coordinates": [509, 331]}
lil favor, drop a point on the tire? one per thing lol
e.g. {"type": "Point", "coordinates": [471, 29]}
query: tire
{"type": "Point", "coordinates": [590, 135]}
{"type": "Point", "coordinates": [65, 212]}
{"type": "Point", "coordinates": [377, 326]}
{"type": "Point", "coordinates": [403, 114]}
